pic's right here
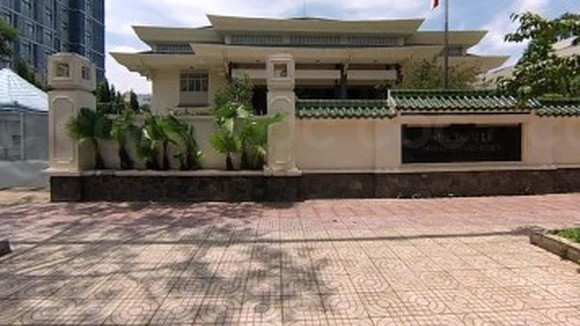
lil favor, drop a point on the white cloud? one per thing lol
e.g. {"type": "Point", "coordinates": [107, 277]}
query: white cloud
{"type": "Point", "coordinates": [501, 24]}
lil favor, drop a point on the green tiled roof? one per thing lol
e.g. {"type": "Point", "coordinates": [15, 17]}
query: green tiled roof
{"type": "Point", "coordinates": [343, 109]}
{"type": "Point", "coordinates": [569, 107]}
{"type": "Point", "coordinates": [447, 100]}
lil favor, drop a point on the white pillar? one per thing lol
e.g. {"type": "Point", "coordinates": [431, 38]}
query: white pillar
{"type": "Point", "coordinates": [281, 72]}
{"type": "Point", "coordinates": [72, 82]}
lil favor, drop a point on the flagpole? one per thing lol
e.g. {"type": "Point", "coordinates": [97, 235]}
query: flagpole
{"type": "Point", "coordinates": [446, 47]}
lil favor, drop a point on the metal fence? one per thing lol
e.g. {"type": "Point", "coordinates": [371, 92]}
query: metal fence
{"type": "Point", "coordinates": [23, 148]}
{"type": "Point", "coordinates": [23, 136]}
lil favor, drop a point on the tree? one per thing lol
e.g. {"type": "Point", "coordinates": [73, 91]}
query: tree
{"type": "Point", "coordinates": [8, 35]}
{"type": "Point", "coordinates": [428, 74]}
{"type": "Point", "coordinates": [104, 92]}
{"type": "Point", "coordinates": [540, 71]}
{"type": "Point", "coordinates": [133, 101]}
{"type": "Point", "coordinates": [26, 71]}
{"type": "Point", "coordinates": [109, 100]}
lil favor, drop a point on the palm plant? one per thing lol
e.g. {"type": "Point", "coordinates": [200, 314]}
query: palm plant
{"type": "Point", "coordinates": [227, 143]}
{"type": "Point", "coordinates": [123, 130]}
{"type": "Point", "coordinates": [153, 143]}
{"type": "Point", "coordinates": [254, 135]}
{"type": "Point", "coordinates": [183, 136]}
{"type": "Point", "coordinates": [227, 140]}
{"type": "Point", "coordinates": [90, 126]}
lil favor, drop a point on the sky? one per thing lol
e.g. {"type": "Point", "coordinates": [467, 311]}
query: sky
{"type": "Point", "coordinates": [491, 15]}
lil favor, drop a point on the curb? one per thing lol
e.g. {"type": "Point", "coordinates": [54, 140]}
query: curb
{"type": "Point", "coordinates": [557, 245]}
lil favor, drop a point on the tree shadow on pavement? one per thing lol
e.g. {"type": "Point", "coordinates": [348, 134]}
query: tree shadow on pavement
{"type": "Point", "coordinates": [173, 263]}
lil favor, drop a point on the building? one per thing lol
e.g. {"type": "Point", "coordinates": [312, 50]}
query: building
{"type": "Point", "coordinates": [50, 26]}
{"type": "Point", "coordinates": [414, 143]}
{"type": "Point", "coordinates": [334, 59]}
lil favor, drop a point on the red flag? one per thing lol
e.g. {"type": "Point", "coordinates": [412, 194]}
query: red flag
{"type": "Point", "coordinates": [434, 4]}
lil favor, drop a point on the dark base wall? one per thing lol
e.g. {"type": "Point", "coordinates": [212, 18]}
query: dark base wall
{"type": "Point", "coordinates": [311, 186]}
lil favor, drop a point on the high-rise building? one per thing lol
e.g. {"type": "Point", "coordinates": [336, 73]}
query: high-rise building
{"type": "Point", "coordinates": [49, 26]}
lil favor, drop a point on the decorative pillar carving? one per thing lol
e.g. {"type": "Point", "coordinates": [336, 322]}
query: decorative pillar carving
{"type": "Point", "coordinates": [72, 82]}
{"type": "Point", "coordinates": [281, 76]}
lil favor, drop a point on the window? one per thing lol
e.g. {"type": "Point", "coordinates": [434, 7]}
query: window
{"type": "Point", "coordinates": [48, 16]}
{"type": "Point", "coordinates": [48, 39]}
{"type": "Point", "coordinates": [174, 48]}
{"type": "Point", "coordinates": [194, 82]}
{"type": "Point", "coordinates": [373, 40]}
{"type": "Point", "coordinates": [30, 30]}
{"type": "Point", "coordinates": [86, 73]}
{"type": "Point", "coordinates": [62, 70]}
{"type": "Point", "coordinates": [315, 39]}
{"type": "Point", "coordinates": [27, 7]}
{"type": "Point", "coordinates": [256, 39]}
{"type": "Point", "coordinates": [26, 50]}
{"type": "Point", "coordinates": [7, 17]}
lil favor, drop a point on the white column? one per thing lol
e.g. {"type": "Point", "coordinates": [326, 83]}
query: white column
{"type": "Point", "coordinates": [281, 75]}
{"type": "Point", "coordinates": [72, 82]}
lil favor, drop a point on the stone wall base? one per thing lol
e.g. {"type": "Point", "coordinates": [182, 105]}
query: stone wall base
{"type": "Point", "coordinates": [311, 186]}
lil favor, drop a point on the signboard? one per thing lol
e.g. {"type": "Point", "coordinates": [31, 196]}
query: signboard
{"type": "Point", "coordinates": [461, 143]}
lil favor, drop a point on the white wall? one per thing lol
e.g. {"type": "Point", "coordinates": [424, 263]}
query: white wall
{"type": "Point", "coordinates": [374, 145]}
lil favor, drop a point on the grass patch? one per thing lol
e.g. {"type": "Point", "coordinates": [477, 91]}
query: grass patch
{"type": "Point", "coordinates": [571, 234]}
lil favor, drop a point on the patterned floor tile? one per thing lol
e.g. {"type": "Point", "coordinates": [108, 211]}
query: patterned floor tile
{"type": "Point", "coordinates": [132, 312]}
{"type": "Point", "coordinates": [220, 311]}
{"type": "Point", "coordinates": [178, 311]}
{"type": "Point", "coordinates": [430, 320]}
{"type": "Point", "coordinates": [343, 306]}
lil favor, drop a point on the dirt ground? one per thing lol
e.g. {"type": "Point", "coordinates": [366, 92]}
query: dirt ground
{"type": "Point", "coordinates": [17, 196]}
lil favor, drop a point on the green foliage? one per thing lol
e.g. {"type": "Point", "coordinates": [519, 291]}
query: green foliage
{"type": "Point", "coordinates": [254, 139]}
{"type": "Point", "coordinates": [8, 35]}
{"type": "Point", "coordinates": [571, 234]}
{"type": "Point", "coordinates": [226, 143]}
{"type": "Point", "coordinates": [239, 91]}
{"type": "Point", "coordinates": [104, 92]}
{"type": "Point", "coordinates": [133, 101]}
{"type": "Point", "coordinates": [239, 130]}
{"type": "Point", "coordinates": [153, 143]}
{"type": "Point", "coordinates": [183, 136]}
{"type": "Point", "coordinates": [26, 71]}
{"type": "Point", "coordinates": [428, 74]}
{"type": "Point", "coordinates": [109, 100]}
{"type": "Point", "coordinates": [540, 71]}
{"type": "Point", "coordinates": [90, 126]}
{"type": "Point", "coordinates": [125, 132]}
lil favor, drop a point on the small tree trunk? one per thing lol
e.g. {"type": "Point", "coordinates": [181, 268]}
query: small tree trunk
{"type": "Point", "coordinates": [229, 163]}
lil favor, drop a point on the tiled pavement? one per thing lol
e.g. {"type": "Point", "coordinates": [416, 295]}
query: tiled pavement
{"type": "Point", "coordinates": [463, 261]}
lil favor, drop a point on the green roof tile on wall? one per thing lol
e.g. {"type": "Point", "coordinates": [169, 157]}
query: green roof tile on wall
{"type": "Point", "coordinates": [451, 100]}
{"type": "Point", "coordinates": [559, 107]}
{"type": "Point", "coordinates": [343, 109]}
{"type": "Point", "coordinates": [419, 101]}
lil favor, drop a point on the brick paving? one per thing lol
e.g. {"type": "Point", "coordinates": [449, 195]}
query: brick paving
{"type": "Point", "coordinates": [461, 261]}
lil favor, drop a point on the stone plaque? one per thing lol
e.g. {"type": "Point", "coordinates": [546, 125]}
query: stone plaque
{"type": "Point", "coordinates": [461, 143]}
